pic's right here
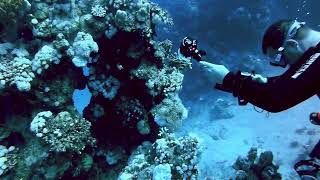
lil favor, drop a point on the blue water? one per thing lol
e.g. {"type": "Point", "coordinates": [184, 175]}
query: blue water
{"type": "Point", "coordinates": [230, 31]}
{"type": "Point", "coordinates": [81, 105]}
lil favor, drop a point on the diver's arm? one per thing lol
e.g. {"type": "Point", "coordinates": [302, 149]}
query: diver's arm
{"type": "Point", "coordinates": [279, 93]}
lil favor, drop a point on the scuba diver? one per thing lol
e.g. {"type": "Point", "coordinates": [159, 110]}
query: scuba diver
{"type": "Point", "coordinates": [287, 43]}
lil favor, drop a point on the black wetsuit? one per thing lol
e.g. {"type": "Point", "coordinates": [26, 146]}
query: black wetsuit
{"type": "Point", "coordinates": [298, 83]}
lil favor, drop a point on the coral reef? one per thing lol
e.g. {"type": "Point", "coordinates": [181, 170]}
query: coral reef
{"type": "Point", "coordinates": [170, 110]}
{"type": "Point", "coordinates": [15, 67]}
{"type": "Point", "coordinates": [134, 80]}
{"type": "Point", "coordinates": [98, 11]}
{"type": "Point", "coordinates": [8, 158]}
{"type": "Point", "coordinates": [141, 16]}
{"type": "Point", "coordinates": [11, 14]}
{"type": "Point", "coordinates": [133, 85]}
{"type": "Point", "coordinates": [133, 115]}
{"type": "Point", "coordinates": [108, 87]}
{"type": "Point", "coordinates": [44, 58]}
{"type": "Point", "coordinates": [168, 158]}
{"type": "Point", "coordinates": [99, 17]}
{"type": "Point", "coordinates": [256, 167]}
{"type": "Point", "coordinates": [10, 9]}
{"type": "Point", "coordinates": [62, 132]}
{"type": "Point", "coordinates": [82, 48]}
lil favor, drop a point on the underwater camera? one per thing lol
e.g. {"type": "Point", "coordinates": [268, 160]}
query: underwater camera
{"type": "Point", "coordinates": [189, 48]}
{"type": "Point", "coordinates": [315, 118]}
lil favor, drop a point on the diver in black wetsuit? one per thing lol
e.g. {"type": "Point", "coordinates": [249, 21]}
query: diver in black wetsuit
{"type": "Point", "coordinates": [287, 43]}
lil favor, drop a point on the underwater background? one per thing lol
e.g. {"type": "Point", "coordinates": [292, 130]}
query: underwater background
{"type": "Point", "coordinates": [94, 89]}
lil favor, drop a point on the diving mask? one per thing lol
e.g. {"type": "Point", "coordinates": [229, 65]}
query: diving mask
{"type": "Point", "coordinates": [279, 59]}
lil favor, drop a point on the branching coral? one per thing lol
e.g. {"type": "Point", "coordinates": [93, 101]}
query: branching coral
{"type": "Point", "coordinates": [176, 157]}
{"type": "Point", "coordinates": [64, 132]}
{"type": "Point", "coordinates": [160, 81]}
{"type": "Point", "coordinates": [142, 16]}
{"type": "Point", "coordinates": [166, 80]}
{"type": "Point", "coordinates": [9, 10]}
{"type": "Point", "coordinates": [46, 56]}
{"type": "Point", "coordinates": [108, 87]}
{"type": "Point", "coordinates": [15, 68]}
{"type": "Point", "coordinates": [133, 115]}
{"type": "Point", "coordinates": [98, 11]}
{"type": "Point", "coordinates": [101, 17]}
{"type": "Point", "coordinates": [170, 110]}
{"type": "Point", "coordinates": [8, 158]}
{"type": "Point", "coordinates": [162, 49]}
{"type": "Point", "coordinates": [51, 18]}
{"type": "Point", "coordinates": [82, 48]}
{"type": "Point", "coordinates": [57, 93]}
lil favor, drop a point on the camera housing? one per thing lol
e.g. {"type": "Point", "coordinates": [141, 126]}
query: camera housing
{"type": "Point", "coordinates": [189, 48]}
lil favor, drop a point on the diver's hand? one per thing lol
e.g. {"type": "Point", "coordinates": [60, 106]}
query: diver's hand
{"type": "Point", "coordinates": [214, 72]}
{"type": "Point", "coordinates": [255, 77]}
